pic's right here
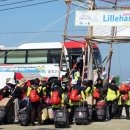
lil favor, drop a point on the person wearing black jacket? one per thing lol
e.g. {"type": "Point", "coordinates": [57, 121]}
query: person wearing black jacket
{"type": "Point", "coordinates": [80, 95]}
{"type": "Point", "coordinates": [6, 93]}
{"type": "Point", "coordinates": [99, 86]}
{"type": "Point", "coordinates": [8, 88]}
{"type": "Point", "coordinates": [47, 93]}
{"type": "Point", "coordinates": [112, 100]}
{"type": "Point", "coordinates": [17, 96]}
{"type": "Point", "coordinates": [57, 87]}
{"type": "Point", "coordinates": [36, 106]}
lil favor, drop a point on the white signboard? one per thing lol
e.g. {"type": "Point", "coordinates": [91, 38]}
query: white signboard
{"type": "Point", "coordinates": [104, 17]}
{"type": "Point", "coordinates": [32, 70]}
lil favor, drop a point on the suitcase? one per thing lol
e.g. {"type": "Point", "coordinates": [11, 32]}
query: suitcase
{"type": "Point", "coordinates": [81, 115]}
{"type": "Point", "coordinates": [2, 114]}
{"type": "Point", "coordinates": [61, 118]}
{"type": "Point", "coordinates": [90, 112]}
{"type": "Point", "coordinates": [24, 116]}
{"type": "Point", "coordinates": [6, 111]}
{"type": "Point", "coordinates": [101, 111]}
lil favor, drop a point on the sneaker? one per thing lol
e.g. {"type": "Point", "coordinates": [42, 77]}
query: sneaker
{"type": "Point", "coordinates": [73, 121]}
{"type": "Point", "coordinates": [16, 121]}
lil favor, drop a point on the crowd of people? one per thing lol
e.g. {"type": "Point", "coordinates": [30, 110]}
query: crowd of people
{"type": "Point", "coordinates": [68, 93]}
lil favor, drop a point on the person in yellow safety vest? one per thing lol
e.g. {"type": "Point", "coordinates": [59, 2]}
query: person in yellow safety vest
{"type": "Point", "coordinates": [89, 99]}
{"type": "Point", "coordinates": [112, 96]}
{"type": "Point", "coordinates": [77, 75]}
{"type": "Point", "coordinates": [124, 101]}
{"type": "Point", "coordinates": [88, 90]}
{"type": "Point", "coordinates": [43, 84]}
{"type": "Point", "coordinates": [66, 88]}
{"type": "Point", "coordinates": [57, 95]}
{"type": "Point", "coordinates": [76, 97]}
{"type": "Point", "coordinates": [35, 95]}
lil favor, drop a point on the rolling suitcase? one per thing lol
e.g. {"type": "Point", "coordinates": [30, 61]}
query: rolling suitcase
{"type": "Point", "coordinates": [90, 112]}
{"type": "Point", "coordinates": [101, 110]}
{"type": "Point", "coordinates": [24, 117]}
{"type": "Point", "coordinates": [61, 119]}
{"type": "Point", "coordinates": [2, 114]}
{"type": "Point", "coordinates": [6, 110]}
{"type": "Point", "coordinates": [81, 115]}
{"type": "Point", "coordinates": [24, 112]}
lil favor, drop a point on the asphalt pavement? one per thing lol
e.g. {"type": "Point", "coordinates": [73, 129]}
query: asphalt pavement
{"type": "Point", "coordinates": [115, 124]}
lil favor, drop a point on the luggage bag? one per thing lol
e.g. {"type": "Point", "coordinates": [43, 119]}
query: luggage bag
{"type": "Point", "coordinates": [90, 112]}
{"type": "Point", "coordinates": [24, 116]}
{"type": "Point", "coordinates": [101, 111]}
{"type": "Point", "coordinates": [6, 110]}
{"type": "Point", "coordinates": [24, 112]}
{"type": "Point", "coordinates": [2, 114]}
{"type": "Point", "coordinates": [81, 115]}
{"type": "Point", "coordinates": [61, 118]}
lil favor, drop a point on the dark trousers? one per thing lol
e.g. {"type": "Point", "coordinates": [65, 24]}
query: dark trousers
{"type": "Point", "coordinates": [36, 112]}
{"type": "Point", "coordinates": [120, 107]}
{"type": "Point", "coordinates": [54, 110]}
{"type": "Point", "coordinates": [72, 113]}
{"type": "Point", "coordinates": [111, 109]}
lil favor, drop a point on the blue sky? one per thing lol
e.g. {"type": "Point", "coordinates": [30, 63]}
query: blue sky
{"type": "Point", "coordinates": [120, 59]}
{"type": "Point", "coordinates": [49, 19]}
{"type": "Point", "coordinates": [32, 19]}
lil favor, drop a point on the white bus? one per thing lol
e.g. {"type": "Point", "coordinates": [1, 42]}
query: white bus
{"type": "Point", "coordinates": [31, 60]}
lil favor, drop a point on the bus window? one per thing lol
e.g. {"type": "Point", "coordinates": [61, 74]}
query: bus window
{"type": "Point", "coordinates": [16, 56]}
{"type": "Point", "coordinates": [2, 57]}
{"type": "Point", "coordinates": [37, 56]}
{"type": "Point", "coordinates": [54, 56]}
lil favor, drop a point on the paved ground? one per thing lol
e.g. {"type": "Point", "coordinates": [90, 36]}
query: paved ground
{"type": "Point", "coordinates": [116, 124]}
